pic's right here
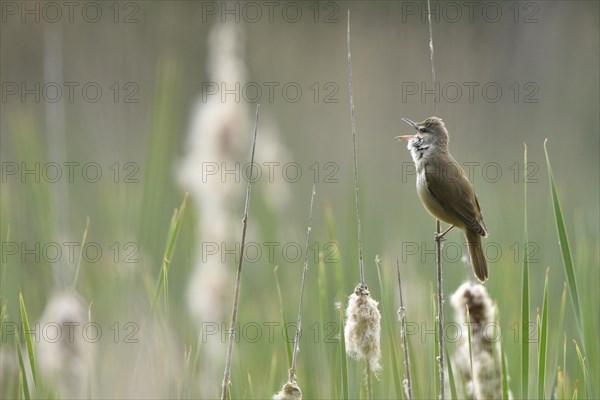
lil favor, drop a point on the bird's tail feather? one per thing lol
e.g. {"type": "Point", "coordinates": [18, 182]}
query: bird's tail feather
{"type": "Point", "coordinates": [478, 261]}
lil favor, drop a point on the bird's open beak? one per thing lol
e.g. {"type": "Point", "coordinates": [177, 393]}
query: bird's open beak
{"type": "Point", "coordinates": [411, 123]}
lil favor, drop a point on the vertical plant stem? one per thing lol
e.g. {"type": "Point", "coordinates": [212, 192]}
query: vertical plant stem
{"type": "Point", "coordinates": [236, 296]}
{"type": "Point", "coordinates": [299, 321]}
{"type": "Point", "coordinates": [440, 306]}
{"type": "Point", "coordinates": [438, 240]}
{"type": "Point", "coordinates": [402, 313]}
{"type": "Point", "coordinates": [360, 255]}
{"type": "Point", "coordinates": [431, 53]}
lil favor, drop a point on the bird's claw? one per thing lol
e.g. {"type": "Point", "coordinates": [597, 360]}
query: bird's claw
{"type": "Point", "coordinates": [439, 236]}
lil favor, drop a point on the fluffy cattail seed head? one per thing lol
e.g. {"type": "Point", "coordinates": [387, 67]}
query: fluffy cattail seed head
{"type": "Point", "coordinates": [363, 327]}
{"type": "Point", "coordinates": [289, 391]}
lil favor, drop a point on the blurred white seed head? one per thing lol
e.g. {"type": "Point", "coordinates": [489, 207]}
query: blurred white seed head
{"type": "Point", "coordinates": [363, 328]}
{"type": "Point", "coordinates": [485, 382]}
{"type": "Point", "coordinates": [63, 354]}
{"type": "Point", "coordinates": [219, 137]}
{"type": "Point", "coordinates": [462, 364]}
{"type": "Point", "coordinates": [226, 53]}
{"type": "Point", "coordinates": [476, 298]}
{"type": "Point", "coordinates": [208, 291]}
{"type": "Point", "coordinates": [215, 169]}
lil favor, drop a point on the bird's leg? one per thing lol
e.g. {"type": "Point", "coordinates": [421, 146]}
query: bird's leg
{"type": "Point", "coordinates": [440, 236]}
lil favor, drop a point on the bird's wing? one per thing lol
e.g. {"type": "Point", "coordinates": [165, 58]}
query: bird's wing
{"type": "Point", "coordinates": [481, 221]}
{"type": "Point", "coordinates": [456, 195]}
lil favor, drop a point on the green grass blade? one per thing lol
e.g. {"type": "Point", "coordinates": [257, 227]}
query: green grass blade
{"type": "Point", "coordinates": [22, 372]}
{"type": "Point", "coordinates": [163, 278]}
{"type": "Point", "coordinates": [525, 293]}
{"type": "Point", "coordinates": [453, 394]}
{"type": "Point", "coordinates": [28, 339]}
{"type": "Point", "coordinates": [565, 249]}
{"type": "Point", "coordinates": [542, 344]}
{"type": "Point", "coordinates": [344, 361]}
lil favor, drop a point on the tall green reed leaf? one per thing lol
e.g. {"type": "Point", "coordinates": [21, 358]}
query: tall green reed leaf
{"type": "Point", "coordinates": [542, 344]}
{"type": "Point", "coordinates": [563, 241]}
{"type": "Point", "coordinates": [525, 290]}
{"type": "Point", "coordinates": [568, 265]}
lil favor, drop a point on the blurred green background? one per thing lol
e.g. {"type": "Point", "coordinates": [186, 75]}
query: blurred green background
{"type": "Point", "coordinates": [543, 55]}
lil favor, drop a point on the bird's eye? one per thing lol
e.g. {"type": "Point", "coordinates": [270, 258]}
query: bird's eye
{"type": "Point", "coordinates": [423, 129]}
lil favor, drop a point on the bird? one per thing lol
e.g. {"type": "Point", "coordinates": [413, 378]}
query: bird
{"type": "Point", "coordinates": [444, 189]}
